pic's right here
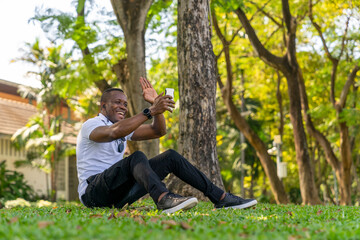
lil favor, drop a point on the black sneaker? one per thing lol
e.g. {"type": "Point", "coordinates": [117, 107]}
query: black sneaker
{"type": "Point", "coordinates": [171, 203]}
{"type": "Point", "coordinates": [232, 201]}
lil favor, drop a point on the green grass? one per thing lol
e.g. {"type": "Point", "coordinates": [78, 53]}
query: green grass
{"type": "Point", "coordinates": [265, 221]}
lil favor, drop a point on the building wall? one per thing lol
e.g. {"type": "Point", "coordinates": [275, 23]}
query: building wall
{"type": "Point", "coordinates": [66, 174]}
{"type": "Point", "coordinates": [36, 178]}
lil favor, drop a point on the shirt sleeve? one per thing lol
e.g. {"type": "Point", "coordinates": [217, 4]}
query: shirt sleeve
{"type": "Point", "coordinates": [89, 126]}
{"type": "Point", "coordinates": [128, 137]}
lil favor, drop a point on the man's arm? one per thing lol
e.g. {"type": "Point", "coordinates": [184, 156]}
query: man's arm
{"type": "Point", "coordinates": [119, 129]}
{"type": "Point", "coordinates": [150, 131]}
{"type": "Point", "coordinates": [126, 126]}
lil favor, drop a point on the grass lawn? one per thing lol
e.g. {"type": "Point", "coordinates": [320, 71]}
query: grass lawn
{"type": "Point", "coordinates": [265, 221]}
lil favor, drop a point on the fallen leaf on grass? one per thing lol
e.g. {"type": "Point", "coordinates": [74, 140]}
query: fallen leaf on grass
{"type": "Point", "coordinates": [139, 219]}
{"type": "Point", "coordinates": [112, 215]}
{"type": "Point", "coordinates": [44, 224]}
{"type": "Point", "coordinates": [96, 216]}
{"type": "Point", "coordinates": [14, 220]}
{"type": "Point", "coordinates": [289, 213]}
{"type": "Point", "coordinates": [185, 226]}
{"type": "Point", "coordinates": [123, 214]}
{"type": "Point", "coordinates": [319, 212]}
{"type": "Point", "coordinates": [243, 235]}
{"type": "Point", "coordinates": [245, 227]}
{"type": "Point", "coordinates": [68, 211]}
{"type": "Point", "coordinates": [222, 222]}
{"type": "Point", "coordinates": [78, 227]}
{"type": "Point", "coordinates": [294, 237]}
{"type": "Point", "coordinates": [154, 219]}
{"type": "Point", "coordinates": [169, 223]}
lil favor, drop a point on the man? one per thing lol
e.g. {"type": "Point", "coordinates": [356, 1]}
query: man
{"type": "Point", "coordinates": [106, 179]}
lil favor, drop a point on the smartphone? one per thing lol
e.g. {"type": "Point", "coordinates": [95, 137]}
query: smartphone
{"type": "Point", "coordinates": [170, 92]}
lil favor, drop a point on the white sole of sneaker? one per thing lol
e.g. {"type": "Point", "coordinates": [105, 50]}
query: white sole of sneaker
{"type": "Point", "coordinates": [190, 203]}
{"type": "Point", "coordinates": [242, 206]}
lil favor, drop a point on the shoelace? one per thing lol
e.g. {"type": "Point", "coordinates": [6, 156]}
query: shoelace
{"type": "Point", "coordinates": [232, 196]}
{"type": "Point", "coordinates": [170, 194]}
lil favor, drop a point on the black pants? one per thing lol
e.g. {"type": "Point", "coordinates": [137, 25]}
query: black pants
{"type": "Point", "coordinates": [132, 177]}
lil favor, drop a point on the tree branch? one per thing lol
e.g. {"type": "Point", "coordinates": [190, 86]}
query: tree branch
{"type": "Point", "coordinates": [344, 37]}
{"type": "Point", "coordinates": [266, 14]}
{"type": "Point", "coordinates": [291, 26]}
{"type": "Point", "coordinates": [225, 43]}
{"type": "Point", "coordinates": [261, 51]}
{"type": "Point", "coordinates": [346, 88]}
{"type": "Point", "coordinates": [318, 29]}
{"type": "Point", "coordinates": [272, 34]}
{"type": "Point", "coordinates": [135, 10]}
{"type": "Point", "coordinates": [320, 138]}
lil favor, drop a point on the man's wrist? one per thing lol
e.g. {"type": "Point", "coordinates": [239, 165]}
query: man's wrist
{"type": "Point", "coordinates": [147, 113]}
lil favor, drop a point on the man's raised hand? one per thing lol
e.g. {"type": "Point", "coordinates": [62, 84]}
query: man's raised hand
{"type": "Point", "coordinates": [149, 92]}
{"type": "Point", "coordinates": [161, 104]}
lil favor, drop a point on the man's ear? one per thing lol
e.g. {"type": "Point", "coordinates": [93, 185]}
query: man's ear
{"type": "Point", "coordinates": [104, 106]}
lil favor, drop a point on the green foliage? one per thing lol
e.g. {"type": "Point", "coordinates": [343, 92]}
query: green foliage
{"type": "Point", "coordinates": [43, 136]}
{"type": "Point", "coordinates": [13, 185]}
{"type": "Point", "coordinates": [99, 32]}
{"type": "Point", "coordinates": [265, 221]}
{"type": "Point", "coordinates": [228, 5]}
{"type": "Point", "coordinates": [158, 9]}
{"type": "Point", "coordinates": [350, 116]}
{"type": "Point", "coordinates": [94, 45]}
{"type": "Point", "coordinates": [42, 141]}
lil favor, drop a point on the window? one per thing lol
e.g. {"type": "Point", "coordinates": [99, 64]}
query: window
{"type": "Point", "coordinates": [6, 147]}
{"type": "Point", "coordinates": [2, 146]}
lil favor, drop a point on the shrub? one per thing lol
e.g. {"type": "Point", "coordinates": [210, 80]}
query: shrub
{"type": "Point", "coordinates": [13, 185]}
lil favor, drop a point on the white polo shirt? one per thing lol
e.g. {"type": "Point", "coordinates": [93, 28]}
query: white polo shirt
{"type": "Point", "coordinates": [94, 157]}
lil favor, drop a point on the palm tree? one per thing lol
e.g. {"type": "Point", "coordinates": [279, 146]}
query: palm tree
{"type": "Point", "coordinates": [42, 134]}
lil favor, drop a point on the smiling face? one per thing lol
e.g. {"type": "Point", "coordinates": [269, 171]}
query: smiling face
{"type": "Point", "coordinates": [115, 106]}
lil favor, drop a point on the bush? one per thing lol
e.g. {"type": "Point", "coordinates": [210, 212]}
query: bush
{"type": "Point", "coordinates": [13, 185]}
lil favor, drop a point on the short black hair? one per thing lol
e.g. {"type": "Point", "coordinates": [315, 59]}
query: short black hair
{"type": "Point", "coordinates": [105, 94]}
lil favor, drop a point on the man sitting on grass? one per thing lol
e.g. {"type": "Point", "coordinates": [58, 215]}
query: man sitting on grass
{"type": "Point", "coordinates": [106, 179]}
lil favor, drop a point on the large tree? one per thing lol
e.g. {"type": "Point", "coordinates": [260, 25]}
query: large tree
{"type": "Point", "coordinates": [335, 55]}
{"type": "Point", "coordinates": [43, 134]}
{"type": "Point", "coordinates": [197, 89]}
{"type": "Point", "coordinates": [288, 65]}
{"type": "Point", "coordinates": [240, 121]}
{"type": "Point", "coordinates": [131, 16]}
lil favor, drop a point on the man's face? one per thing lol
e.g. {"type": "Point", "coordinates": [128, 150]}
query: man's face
{"type": "Point", "coordinates": [116, 107]}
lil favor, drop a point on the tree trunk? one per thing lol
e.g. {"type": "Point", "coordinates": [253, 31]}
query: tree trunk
{"type": "Point", "coordinates": [345, 152]}
{"type": "Point", "coordinates": [309, 192]}
{"type": "Point", "coordinates": [131, 15]}
{"type": "Point", "coordinates": [342, 168]}
{"type": "Point", "coordinates": [197, 87]}
{"type": "Point", "coordinates": [261, 151]}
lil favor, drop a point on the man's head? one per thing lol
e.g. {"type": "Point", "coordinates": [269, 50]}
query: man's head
{"type": "Point", "coordinates": [113, 104]}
